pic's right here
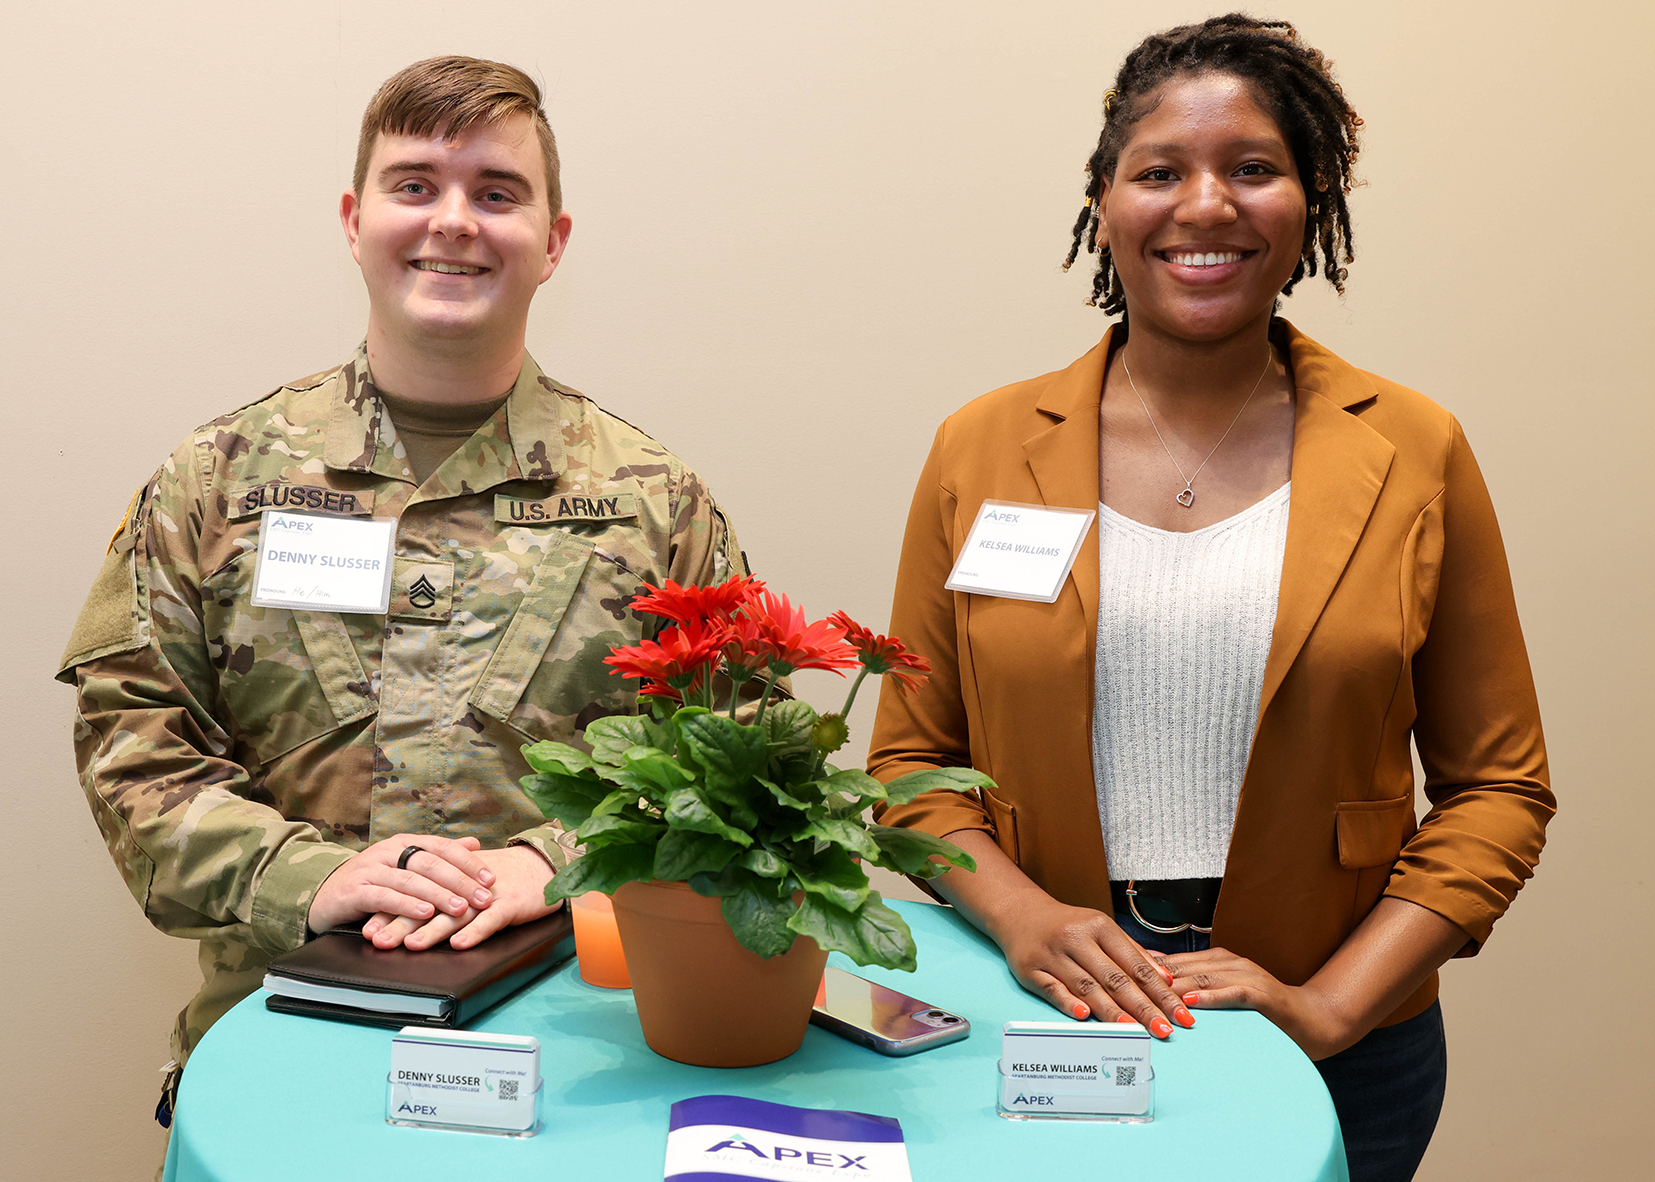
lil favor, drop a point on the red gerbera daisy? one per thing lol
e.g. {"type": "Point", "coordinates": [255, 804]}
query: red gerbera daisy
{"type": "Point", "coordinates": [741, 648]}
{"type": "Point", "coordinates": [677, 657]}
{"type": "Point", "coordinates": [787, 643]}
{"type": "Point", "coordinates": [686, 604]}
{"type": "Point", "coordinates": [884, 654]}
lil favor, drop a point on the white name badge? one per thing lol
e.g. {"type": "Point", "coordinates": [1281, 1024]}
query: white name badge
{"type": "Point", "coordinates": [321, 562]}
{"type": "Point", "coordinates": [457, 1079]}
{"type": "Point", "coordinates": [1020, 551]}
{"type": "Point", "coordinates": [1075, 1070]}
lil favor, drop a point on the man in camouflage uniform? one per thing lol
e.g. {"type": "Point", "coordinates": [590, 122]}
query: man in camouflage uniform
{"type": "Point", "coordinates": [256, 771]}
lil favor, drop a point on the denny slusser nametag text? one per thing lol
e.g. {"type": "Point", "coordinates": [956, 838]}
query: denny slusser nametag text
{"type": "Point", "coordinates": [319, 562]}
{"type": "Point", "coordinates": [1020, 551]}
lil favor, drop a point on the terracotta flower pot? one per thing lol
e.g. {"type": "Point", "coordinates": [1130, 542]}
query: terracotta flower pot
{"type": "Point", "coordinates": [702, 998]}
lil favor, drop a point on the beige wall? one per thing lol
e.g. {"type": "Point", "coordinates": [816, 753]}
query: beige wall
{"type": "Point", "coordinates": [804, 233]}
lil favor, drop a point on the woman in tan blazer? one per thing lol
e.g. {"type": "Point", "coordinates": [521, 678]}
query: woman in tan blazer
{"type": "Point", "coordinates": [1219, 181]}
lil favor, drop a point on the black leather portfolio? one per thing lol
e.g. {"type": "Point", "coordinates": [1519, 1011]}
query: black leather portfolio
{"type": "Point", "coordinates": [341, 976]}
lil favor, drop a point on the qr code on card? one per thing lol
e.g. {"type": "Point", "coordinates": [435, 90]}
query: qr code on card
{"type": "Point", "coordinates": [1126, 1077]}
{"type": "Point", "coordinates": [508, 1089]}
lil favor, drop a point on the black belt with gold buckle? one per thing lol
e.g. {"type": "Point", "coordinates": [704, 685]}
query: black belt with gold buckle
{"type": "Point", "coordinates": [1169, 905]}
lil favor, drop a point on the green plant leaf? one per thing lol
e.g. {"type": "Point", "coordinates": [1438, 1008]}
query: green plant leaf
{"type": "Point", "coordinates": [547, 756]}
{"type": "Point", "coordinates": [909, 851]}
{"type": "Point", "coordinates": [657, 768]}
{"type": "Point", "coordinates": [684, 853]}
{"type": "Point", "coordinates": [956, 779]}
{"type": "Point", "coordinates": [763, 863]}
{"type": "Point", "coordinates": [788, 726]}
{"type": "Point", "coordinates": [855, 783]}
{"type": "Point", "coordinates": [846, 832]}
{"type": "Point", "coordinates": [723, 883]}
{"type": "Point", "coordinates": [608, 829]}
{"type": "Point", "coordinates": [730, 755]}
{"type": "Point", "coordinates": [759, 921]}
{"type": "Point", "coordinates": [872, 934]}
{"type": "Point", "coordinates": [602, 870]}
{"type": "Point", "coordinates": [611, 738]}
{"type": "Point", "coordinates": [620, 799]}
{"type": "Point", "coordinates": [834, 875]}
{"type": "Point", "coordinates": [783, 797]}
{"type": "Point", "coordinates": [564, 798]}
{"type": "Point", "coordinates": [797, 773]}
{"type": "Point", "coordinates": [686, 810]}
{"type": "Point", "coordinates": [834, 805]}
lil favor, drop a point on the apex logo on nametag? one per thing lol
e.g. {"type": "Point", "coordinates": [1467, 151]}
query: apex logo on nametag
{"type": "Point", "coordinates": [1020, 551]}
{"type": "Point", "coordinates": [324, 562]}
{"type": "Point", "coordinates": [422, 590]}
{"type": "Point", "coordinates": [567, 507]}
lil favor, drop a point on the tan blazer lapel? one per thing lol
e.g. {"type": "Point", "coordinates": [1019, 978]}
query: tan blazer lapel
{"type": "Point", "coordinates": [1339, 466]}
{"type": "Point", "coordinates": [1064, 457]}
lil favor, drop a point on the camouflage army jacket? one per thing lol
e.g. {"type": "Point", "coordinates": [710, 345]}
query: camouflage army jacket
{"type": "Point", "coordinates": [234, 755]}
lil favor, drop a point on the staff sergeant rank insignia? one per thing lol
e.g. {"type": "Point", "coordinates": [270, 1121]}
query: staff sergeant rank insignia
{"type": "Point", "coordinates": [421, 589]}
{"type": "Point", "coordinates": [422, 594]}
{"type": "Point", "coordinates": [569, 507]}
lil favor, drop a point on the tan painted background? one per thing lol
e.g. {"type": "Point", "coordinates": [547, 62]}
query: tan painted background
{"type": "Point", "coordinates": [805, 233]}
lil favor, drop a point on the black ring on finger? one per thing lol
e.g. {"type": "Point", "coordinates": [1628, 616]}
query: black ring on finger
{"type": "Point", "coordinates": [402, 859]}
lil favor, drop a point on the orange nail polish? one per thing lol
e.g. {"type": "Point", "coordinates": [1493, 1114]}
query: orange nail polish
{"type": "Point", "coordinates": [1081, 1011]}
{"type": "Point", "coordinates": [1191, 998]}
{"type": "Point", "coordinates": [1160, 1027]}
{"type": "Point", "coordinates": [1183, 1017]}
{"type": "Point", "coordinates": [1128, 1018]}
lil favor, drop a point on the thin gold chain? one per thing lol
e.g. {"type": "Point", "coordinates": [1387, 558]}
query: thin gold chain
{"type": "Point", "coordinates": [1187, 497]}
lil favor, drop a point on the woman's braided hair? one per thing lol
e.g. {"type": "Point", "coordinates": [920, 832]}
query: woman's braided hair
{"type": "Point", "coordinates": [1292, 81]}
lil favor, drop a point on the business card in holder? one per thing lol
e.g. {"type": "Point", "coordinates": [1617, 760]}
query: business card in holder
{"type": "Point", "coordinates": [1091, 1071]}
{"type": "Point", "coordinates": [409, 1100]}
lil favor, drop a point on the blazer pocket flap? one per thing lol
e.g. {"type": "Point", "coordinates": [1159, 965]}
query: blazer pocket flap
{"type": "Point", "coordinates": [1372, 832]}
{"type": "Point", "coordinates": [1004, 817]}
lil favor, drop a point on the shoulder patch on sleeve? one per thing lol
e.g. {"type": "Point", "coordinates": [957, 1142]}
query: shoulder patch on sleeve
{"type": "Point", "coordinates": [109, 621]}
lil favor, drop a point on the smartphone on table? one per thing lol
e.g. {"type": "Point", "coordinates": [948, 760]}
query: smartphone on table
{"type": "Point", "coordinates": [882, 1019]}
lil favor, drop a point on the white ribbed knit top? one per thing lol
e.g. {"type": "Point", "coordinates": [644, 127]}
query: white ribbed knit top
{"type": "Point", "coordinates": [1184, 624]}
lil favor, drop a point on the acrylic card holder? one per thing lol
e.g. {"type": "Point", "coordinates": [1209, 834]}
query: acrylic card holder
{"type": "Point", "coordinates": [464, 1081]}
{"type": "Point", "coordinates": [1076, 1071]}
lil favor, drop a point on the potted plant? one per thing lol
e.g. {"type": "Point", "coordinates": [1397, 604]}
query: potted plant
{"type": "Point", "coordinates": [732, 848]}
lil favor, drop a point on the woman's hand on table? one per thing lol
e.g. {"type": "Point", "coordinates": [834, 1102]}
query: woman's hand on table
{"type": "Point", "coordinates": [1080, 961]}
{"type": "Point", "coordinates": [1218, 979]}
{"type": "Point", "coordinates": [520, 878]}
{"type": "Point", "coordinates": [1076, 958]}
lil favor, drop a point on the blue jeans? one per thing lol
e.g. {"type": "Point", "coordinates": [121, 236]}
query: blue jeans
{"type": "Point", "coordinates": [1387, 1089]}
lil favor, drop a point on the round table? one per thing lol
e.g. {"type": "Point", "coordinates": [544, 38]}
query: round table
{"type": "Point", "coordinates": [274, 1096]}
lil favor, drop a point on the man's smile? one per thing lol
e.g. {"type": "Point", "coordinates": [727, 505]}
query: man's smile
{"type": "Point", "coordinates": [447, 268]}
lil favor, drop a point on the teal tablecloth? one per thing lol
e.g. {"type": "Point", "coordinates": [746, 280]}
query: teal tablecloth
{"type": "Point", "coordinates": [271, 1096]}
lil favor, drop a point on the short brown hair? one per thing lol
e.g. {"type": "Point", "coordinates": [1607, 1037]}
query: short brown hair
{"type": "Point", "coordinates": [452, 93]}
